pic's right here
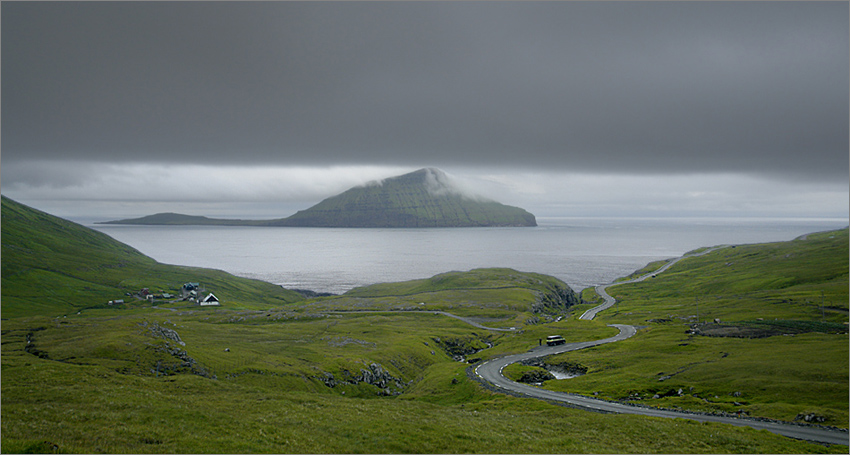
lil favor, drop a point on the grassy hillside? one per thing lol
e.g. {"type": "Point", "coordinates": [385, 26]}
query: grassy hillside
{"type": "Point", "coordinates": [52, 266]}
{"type": "Point", "coordinates": [294, 380]}
{"type": "Point", "coordinates": [757, 329]}
{"type": "Point", "coordinates": [269, 394]}
{"type": "Point", "coordinates": [313, 376]}
{"type": "Point", "coordinates": [515, 297]}
{"type": "Point", "coordinates": [420, 199]}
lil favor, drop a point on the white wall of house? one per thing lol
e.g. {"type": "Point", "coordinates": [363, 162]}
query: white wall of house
{"type": "Point", "coordinates": [210, 300]}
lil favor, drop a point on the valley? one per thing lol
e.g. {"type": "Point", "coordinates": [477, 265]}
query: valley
{"type": "Point", "coordinates": [384, 368]}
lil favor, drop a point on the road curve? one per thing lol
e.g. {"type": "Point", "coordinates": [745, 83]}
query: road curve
{"type": "Point", "coordinates": [609, 301]}
{"type": "Point", "coordinates": [490, 372]}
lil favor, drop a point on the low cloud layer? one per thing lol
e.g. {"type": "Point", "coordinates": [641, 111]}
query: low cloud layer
{"type": "Point", "coordinates": [108, 191]}
{"type": "Point", "coordinates": [259, 109]}
{"type": "Point", "coordinates": [600, 87]}
{"type": "Point", "coordinates": [184, 183]}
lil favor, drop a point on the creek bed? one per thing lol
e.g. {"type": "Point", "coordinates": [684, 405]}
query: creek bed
{"type": "Point", "coordinates": [562, 375]}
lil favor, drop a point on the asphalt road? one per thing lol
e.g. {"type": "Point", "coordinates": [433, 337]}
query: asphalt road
{"type": "Point", "coordinates": [491, 372]}
{"type": "Point", "coordinates": [609, 301]}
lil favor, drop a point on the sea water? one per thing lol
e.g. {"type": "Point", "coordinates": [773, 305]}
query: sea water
{"type": "Point", "coordinates": [582, 252]}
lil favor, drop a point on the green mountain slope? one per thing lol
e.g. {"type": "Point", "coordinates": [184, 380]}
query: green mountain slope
{"type": "Point", "coordinates": [759, 280]}
{"type": "Point", "coordinates": [389, 381]}
{"type": "Point", "coordinates": [175, 219]}
{"type": "Point", "coordinates": [424, 198]}
{"type": "Point", "coordinates": [757, 329]}
{"type": "Point", "coordinates": [54, 266]}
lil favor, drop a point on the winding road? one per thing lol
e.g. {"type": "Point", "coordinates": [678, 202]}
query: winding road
{"type": "Point", "coordinates": [490, 372]}
{"type": "Point", "coordinates": [610, 301]}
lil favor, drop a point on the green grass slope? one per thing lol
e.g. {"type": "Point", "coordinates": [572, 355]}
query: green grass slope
{"type": "Point", "coordinates": [268, 395]}
{"type": "Point", "coordinates": [292, 380]}
{"type": "Point", "coordinates": [490, 293]}
{"type": "Point", "coordinates": [804, 279]}
{"type": "Point", "coordinates": [308, 378]}
{"type": "Point", "coordinates": [423, 198]}
{"type": "Point", "coordinates": [53, 266]}
{"type": "Point", "coordinates": [754, 329]}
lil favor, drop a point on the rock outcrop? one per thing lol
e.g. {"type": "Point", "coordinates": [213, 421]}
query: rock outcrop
{"type": "Point", "coordinates": [179, 360]}
{"type": "Point", "coordinates": [535, 377]}
{"type": "Point", "coordinates": [810, 418]}
{"type": "Point", "coordinates": [458, 348]}
{"type": "Point", "coordinates": [375, 375]}
{"type": "Point", "coordinates": [163, 332]}
{"type": "Point", "coordinates": [555, 301]}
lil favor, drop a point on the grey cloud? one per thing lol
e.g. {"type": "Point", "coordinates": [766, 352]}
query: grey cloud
{"type": "Point", "coordinates": [44, 174]}
{"type": "Point", "coordinates": [126, 191]}
{"type": "Point", "coordinates": [637, 87]}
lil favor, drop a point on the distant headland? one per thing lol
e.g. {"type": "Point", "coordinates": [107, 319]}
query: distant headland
{"type": "Point", "coordinates": [422, 199]}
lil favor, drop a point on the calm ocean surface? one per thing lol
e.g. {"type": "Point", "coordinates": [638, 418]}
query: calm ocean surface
{"type": "Point", "coordinates": [580, 251]}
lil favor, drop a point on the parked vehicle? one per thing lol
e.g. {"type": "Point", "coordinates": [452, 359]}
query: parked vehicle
{"type": "Point", "coordinates": [555, 340]}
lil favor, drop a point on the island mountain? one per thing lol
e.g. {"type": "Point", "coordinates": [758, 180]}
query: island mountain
{"type": "Point", "coordinates": [424, 198]}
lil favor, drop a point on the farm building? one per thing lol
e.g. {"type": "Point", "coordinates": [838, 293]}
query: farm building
{"type": "Point", "coordinates": [210, 299]}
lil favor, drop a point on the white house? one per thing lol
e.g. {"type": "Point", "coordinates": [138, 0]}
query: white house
{"type": "Point", "coordinates": [210, 299]}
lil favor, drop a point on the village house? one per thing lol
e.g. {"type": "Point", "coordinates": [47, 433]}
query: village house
{"type": "Point", "coordinates": [209, 300]}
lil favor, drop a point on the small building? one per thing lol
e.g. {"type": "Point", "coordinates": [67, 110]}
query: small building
{"type": "Point", "coordinates": [210, 299]}
{"type": "Point", "coordinates": [191, 286]}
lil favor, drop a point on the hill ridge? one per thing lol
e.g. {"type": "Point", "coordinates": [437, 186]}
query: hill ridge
{"type": "Point", "coordinates": [53, 266]}
{"type": "Point", "coordinates": [424, 198]}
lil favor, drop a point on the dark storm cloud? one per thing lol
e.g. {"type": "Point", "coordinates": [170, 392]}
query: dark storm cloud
{"type": "Point", "coordinates": [621, 87]}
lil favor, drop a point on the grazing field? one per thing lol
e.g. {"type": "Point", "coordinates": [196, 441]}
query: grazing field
{"type": "Point", "coordinates": [260, 384]}
{"type": "Point", "coordinates": [759, 330]}
{"type": "Point", "coordinates": [377, 371]}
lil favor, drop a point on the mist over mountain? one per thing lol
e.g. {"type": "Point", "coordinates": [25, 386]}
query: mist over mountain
{"type": "Point", "coordinates": [424, 198]}
{"type": "Point", "coordinates": [421, 199]}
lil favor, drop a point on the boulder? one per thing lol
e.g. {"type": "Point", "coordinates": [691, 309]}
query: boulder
{"type": "Point", "coordinates": [810, 418]}
{"type": "Point", "coordinates": [375, 375]}
{"type": "Point", "coordinates": [163, 332]}
{"type": "Point", "coordinates": [535, 376]}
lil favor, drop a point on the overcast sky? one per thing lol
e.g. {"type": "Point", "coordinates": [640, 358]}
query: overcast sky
{"type": "Point", "coordinates": [565, 108]}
